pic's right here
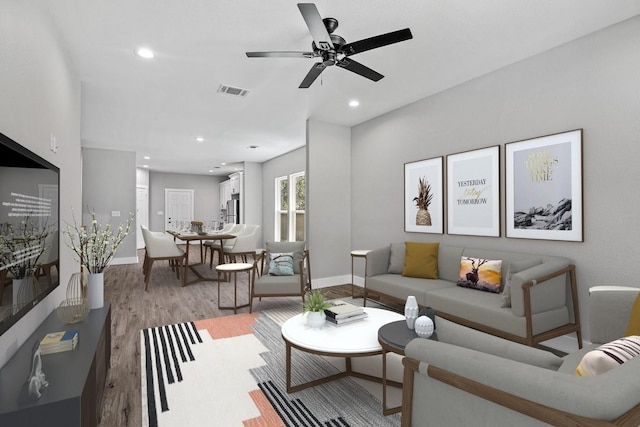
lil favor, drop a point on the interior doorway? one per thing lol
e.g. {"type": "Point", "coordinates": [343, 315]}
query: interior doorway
{"type": "Point", "coordinates": [178, 207]}
{"type": "Point", "coordinates": [142, 213]}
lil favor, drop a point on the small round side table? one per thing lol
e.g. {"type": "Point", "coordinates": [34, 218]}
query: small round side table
{"type": "Point", "coordinates": [235, 268]}
{"type": "Point", "coordinates": [358, 253]}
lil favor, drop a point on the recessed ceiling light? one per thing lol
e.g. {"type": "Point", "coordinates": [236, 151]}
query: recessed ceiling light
{"type": "Point", "coordinates": [223, 164]}
{"type": "Point", "coordinates": [147, 157]}
{"type": "Point", "coordinates": [145, 166]}
{"type": "Point", "coordinates": [199, 139]}
{"type": "Point", "coordinates": [145, 52]}
{"type": "Point", "coordinates": [354, 103]}
{"type": "Point", "coordinates": [210, 170]}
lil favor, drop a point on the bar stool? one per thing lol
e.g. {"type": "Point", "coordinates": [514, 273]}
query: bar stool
{"type": "Point", "coordinates": [234, 268]}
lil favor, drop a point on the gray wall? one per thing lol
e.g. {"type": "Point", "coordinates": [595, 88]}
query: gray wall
{"type": "Point", "coordinates": [105, 192]}
{"type": "Point", "coordinates": [206, 195]}
{"type": "Point", "coordinates": [40, 96]}
{"type": "Point", "coordinates": [252, 195]}
{"type": "Point", "coordinates": [329, 202]}
{"type": "Point", "coordinates": [591, 83]}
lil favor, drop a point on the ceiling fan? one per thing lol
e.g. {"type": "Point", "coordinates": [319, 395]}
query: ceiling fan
{"type": "Point", "coordinates": [333, 49]}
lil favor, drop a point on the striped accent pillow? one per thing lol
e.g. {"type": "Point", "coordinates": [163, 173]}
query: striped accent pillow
{"type": "Point", "coordinates": [608, 356]}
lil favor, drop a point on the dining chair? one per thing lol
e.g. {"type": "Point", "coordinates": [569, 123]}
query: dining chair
{"type": "Point", "coordinates": [243, 245]}
{"type": "Point", "coordinates": [160, 248]}
{"type": "Point", "coordinates": [214, 245]}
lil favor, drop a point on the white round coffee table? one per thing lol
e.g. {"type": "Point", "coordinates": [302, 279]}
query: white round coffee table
{"type": "Point", "coordinates": [357, 339]}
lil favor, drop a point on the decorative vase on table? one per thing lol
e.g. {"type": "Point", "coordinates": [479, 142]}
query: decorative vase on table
{"type": "Point", "coordinates": [411, 311]}
{"type": "Point", "coordinates": [95, 290]}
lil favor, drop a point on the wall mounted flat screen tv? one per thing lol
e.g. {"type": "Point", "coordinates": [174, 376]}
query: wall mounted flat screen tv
{"type": "Point", "coordinates": [29, 230]}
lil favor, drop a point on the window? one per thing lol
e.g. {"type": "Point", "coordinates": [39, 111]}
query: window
{"type": "Point", "coordinates": [290, 208]}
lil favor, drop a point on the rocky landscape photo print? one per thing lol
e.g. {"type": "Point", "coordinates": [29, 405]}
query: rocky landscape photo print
{"type": "Point", "coordinates": [544, 187]}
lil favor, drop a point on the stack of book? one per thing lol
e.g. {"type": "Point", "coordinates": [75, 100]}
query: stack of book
{"type": "Point", "coordinates": [56, 342]}
{"type": "Point", "coordinates": [342, 312]}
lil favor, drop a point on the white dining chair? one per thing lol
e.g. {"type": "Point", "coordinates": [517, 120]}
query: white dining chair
{"type": "Point", "coordinates": [161, 248]}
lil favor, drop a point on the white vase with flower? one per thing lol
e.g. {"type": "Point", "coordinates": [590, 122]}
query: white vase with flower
{"type": "Point", "coordinates": [95, 246]}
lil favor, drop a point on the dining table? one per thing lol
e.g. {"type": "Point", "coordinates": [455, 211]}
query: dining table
{"type": "Point", "coordinates": [187, 237]}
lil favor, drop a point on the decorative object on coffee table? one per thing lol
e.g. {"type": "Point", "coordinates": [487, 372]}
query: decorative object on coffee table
{"type": "Point", "coordinates": [411, 311]}
{"type": "Point", "coordinates": [424, 327]}
{"type": "Point", "coordinates": [314, 306]}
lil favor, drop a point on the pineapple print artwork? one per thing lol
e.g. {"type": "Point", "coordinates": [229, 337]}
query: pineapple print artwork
{"type": "Point", "coordinates": [423, 217]}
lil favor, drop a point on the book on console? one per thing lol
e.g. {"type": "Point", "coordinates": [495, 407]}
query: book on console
{"type": "Point", "coordinates": [341, 309]}
{"type": "Point", "coordinates": [352, 318]}
{"type": "Point", "coordinates": [56, 342]}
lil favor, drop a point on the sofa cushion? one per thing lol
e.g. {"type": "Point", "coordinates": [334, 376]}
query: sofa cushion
{"type": "Point", "coordinates": [633, 328]}
{"type": "Point", "coordinates": [463, 336]}
{"type": "Point", "coordinates": [609, 356]}
{"type": "Point", "coordinates": [396, 259]}
{"type": "Point", "coordinates": [401, 287]}
{"type": "Point", "coordinates": [297, 248]}
{"type": "Point", "coordinates": [482, 274]}
{"type": "Point", "coordinates": [516, 267]}
{"type": "Point", "coordinates": [421, 260]}
{"type": "Point", "coordinates": [281, 264]}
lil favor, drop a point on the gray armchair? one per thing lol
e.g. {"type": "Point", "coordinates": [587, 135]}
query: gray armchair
{"type": "Point", "coordinates": [471, 378]}
{"type": "Point", "coordinates": [268, 285]}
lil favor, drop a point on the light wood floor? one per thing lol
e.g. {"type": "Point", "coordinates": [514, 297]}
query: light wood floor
{"type": "Point", "coordinates": [165, 302]}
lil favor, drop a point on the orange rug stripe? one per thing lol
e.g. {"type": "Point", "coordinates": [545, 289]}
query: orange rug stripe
{"type": "Point", "coordinates": [228, 326]}
{"type": "Point", "coordinates": [268, 417]}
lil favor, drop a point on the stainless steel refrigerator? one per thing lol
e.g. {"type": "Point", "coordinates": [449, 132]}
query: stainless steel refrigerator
{"type": "Point", "coordinates": [233, 211]}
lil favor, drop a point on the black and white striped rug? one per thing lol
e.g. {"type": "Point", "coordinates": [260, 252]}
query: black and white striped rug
{"type": "Point", "coordinates": [230, 371]}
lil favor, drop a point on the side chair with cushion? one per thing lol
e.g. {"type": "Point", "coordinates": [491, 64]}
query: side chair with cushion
{"type": "Point", "coordinates": [161, 248]}
{"type": "Point", "coordinates": [286, 271]}
{"type": "Point", "coordinates": [468, 377]}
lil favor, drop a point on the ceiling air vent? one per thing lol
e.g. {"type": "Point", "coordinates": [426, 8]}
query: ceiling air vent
{"type": "Point", "coordinates": [231, 90]}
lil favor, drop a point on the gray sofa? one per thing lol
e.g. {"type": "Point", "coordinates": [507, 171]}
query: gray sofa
{"type": "Point", "coordinates": [542, 292]}
{"type": "Point", "coordinates": [472, 378]}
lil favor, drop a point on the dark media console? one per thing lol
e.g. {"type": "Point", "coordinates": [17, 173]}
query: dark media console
{"type": "Point", "coordinates": [76, 378]}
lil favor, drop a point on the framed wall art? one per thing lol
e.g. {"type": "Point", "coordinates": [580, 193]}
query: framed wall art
{"type": "Point", "coordinates": [544, 187]}
{"type": "Point", "coordinates": [423, 196]}
{"type": "Point", "coordinates": [473, 192]}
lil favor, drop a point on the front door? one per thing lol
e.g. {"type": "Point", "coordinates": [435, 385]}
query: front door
{"type": "Point", "coordinates": [178, 208]}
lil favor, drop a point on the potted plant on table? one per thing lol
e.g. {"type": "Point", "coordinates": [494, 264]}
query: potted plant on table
{"type": "Point", "coordinates": [315, 305]}
{"type": "Point", "coordinates": [95, 246]}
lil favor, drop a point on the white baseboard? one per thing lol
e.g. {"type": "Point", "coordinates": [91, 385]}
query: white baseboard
{"type": "Point", "coordinates": [330, 281]}
{"type": "Point", "coordinates": [124, 260]}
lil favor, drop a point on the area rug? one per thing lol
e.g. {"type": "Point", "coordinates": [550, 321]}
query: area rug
{"type": "Point", "coordinates": [230, 371]}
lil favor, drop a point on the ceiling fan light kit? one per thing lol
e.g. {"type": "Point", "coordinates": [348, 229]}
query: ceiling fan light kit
{"type": "Point", "coordinates": [333, 49]}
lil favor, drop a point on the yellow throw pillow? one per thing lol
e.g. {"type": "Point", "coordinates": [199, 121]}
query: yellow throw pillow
{"type": "Point", "coordinates": [421, 260]}
{"type": "Point", "coordinates": [633, 328]}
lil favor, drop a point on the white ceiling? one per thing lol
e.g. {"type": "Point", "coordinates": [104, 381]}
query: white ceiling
{"type": "Point", "coordinates": [157, 107]}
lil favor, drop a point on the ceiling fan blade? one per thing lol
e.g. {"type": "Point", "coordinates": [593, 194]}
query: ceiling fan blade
{"type": "Point", "coordinates": [316, 26]}
{"type": "Point", "coordinates": [312, 75]}
{"type": "Point", "coordinates": [281, 54]}
{"type": "Point", "coordinates": [376, 41]}
{"type": "Point", "coordinates": [358, 68]}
